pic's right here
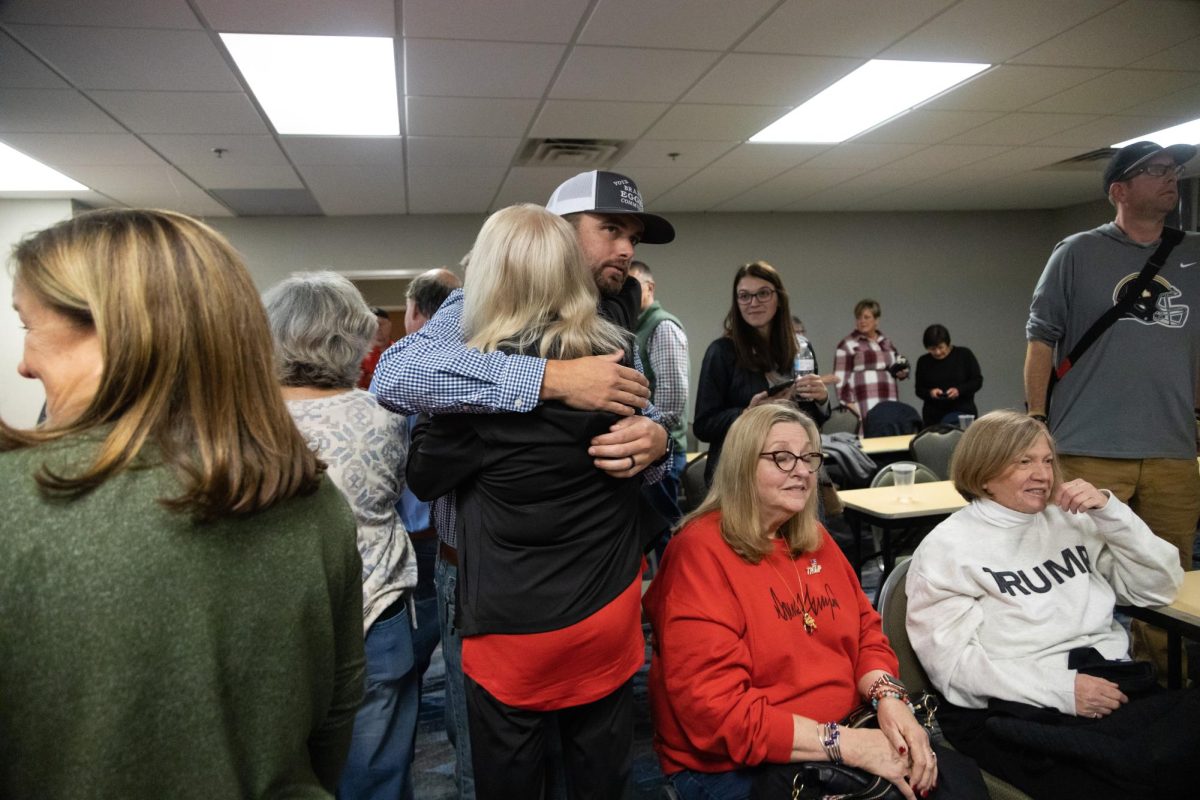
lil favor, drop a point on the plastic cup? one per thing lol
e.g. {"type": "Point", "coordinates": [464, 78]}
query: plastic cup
{"type": "Point", "coordinates": [904, 476]}
{"type": "Point", "coordinates": [965, 420]}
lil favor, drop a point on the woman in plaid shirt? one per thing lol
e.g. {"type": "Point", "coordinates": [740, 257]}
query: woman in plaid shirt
{"type": "Point", "coordinates": [866, 363]}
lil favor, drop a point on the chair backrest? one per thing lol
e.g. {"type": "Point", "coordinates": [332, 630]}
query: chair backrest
{"type": "Point", "coordinates": [893, 608]}
{"type": "Point", "coordinates": [934, 446]}
{"type": "Point", "coordinates": [841, 420]}
{"type": "Point", "coordinates": [885, 476]}
{"type": "Point", "coordinates": [692, 482]}
{"type": "Point", "coordinates": [891, 418]}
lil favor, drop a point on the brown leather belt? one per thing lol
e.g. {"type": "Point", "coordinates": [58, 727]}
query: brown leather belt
{"type": "Point", "coordinates": [448, 554]}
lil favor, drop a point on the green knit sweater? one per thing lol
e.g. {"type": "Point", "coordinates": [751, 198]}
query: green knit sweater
{"type": "Point", "coordinates": [144, 655]}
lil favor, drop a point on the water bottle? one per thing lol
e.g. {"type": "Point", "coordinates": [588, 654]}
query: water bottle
{"type": "Point", "coordinates": [805, 362]}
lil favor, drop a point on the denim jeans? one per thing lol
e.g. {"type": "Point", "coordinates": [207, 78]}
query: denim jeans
{"type": "Point", "coordinates": [379, 764]}
{"type": "Point", "coordinates": [446, 578]}
{"type": "Point", "coordinates": [428, 633]}
{"type": "Point", "coordinates": [734, 785]}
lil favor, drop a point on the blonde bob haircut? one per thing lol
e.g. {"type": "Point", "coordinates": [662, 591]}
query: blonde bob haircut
{"type": "Point", "coordinates": [187, 362]}
{"type": "Point", "coordinates": [529, 291]}
{"type": "Point", "coordinates": [990, 447]}
{"type": "Point", "coordinates": [734, 489]}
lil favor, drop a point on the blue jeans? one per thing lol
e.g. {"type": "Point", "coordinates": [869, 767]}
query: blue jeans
{"type": "Point", "coordinates": [428, 633]}
{"type": "Point", "coordinates": [379, 764]}
{"type": "Point", "coordinates": [446, 579]}
{"type": "Point", "coordinates": [734, 785]}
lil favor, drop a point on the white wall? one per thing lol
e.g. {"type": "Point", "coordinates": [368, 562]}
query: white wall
{"type": "Point", "coordinates": [971, 271]}
{"type": "Point", "coordinates": [20, 399]}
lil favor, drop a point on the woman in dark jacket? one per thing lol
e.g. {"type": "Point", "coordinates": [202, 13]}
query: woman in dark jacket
{"type": "Point", "coordinates": [755, 354]}
{"type": "Point", "coordinates": [947, 378]}
{"type": "Point", "coordinates": [550, 547]}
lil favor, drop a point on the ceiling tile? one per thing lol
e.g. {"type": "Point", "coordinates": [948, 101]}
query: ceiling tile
{"type": "Point", "coordinates": [183, 112]}
{"type": "Point", "coordinates": [1104, 131]}
{"type": "Point", "coordinates": [942, 157]}
{"type": "Point", "coordinates": [657, 153]}
{"type": "Point", "coordinates": [1184, 103]}
{"type": "Point", "coordinates": [1116, 91]}
{"type": "Point", "coordinates": [156, 186]}
{"type": "Point", "coordinates": [346, 189]}
{"type": "Point", "coordinates": [96, 149]}
{"type": "Point", "coordinates": [472, 153]}
{"type": "Point", "coordinates": [531, 184]}
{"type": "Point", "coordinates": [588, 119]}
{"type": "Point", "coordinates": [110, 13]}
{"type": "Point", "coordinates": [922, 126]}
{"type": "Point", "coordinates": [343, 18]}
{"type": "Point", "coordinates": [755, 79]}
{"type": "Point", "coordinates": [619, 73]}
{"type": "Point", "coordinates": [689, 24]}
{"type": "Point", "coordinates": [381, 150]}
{"type": "Point", "coordinates": [788, 188]}
{"type": "Point", "coordinates": [769, 156]}
{"type": "Point", "coordinates": [269, 202]}
{"type": "Point", "coordinates": [220, 175]}
{"type": "Point", "coordinates": [992, 31]}
{"type": "Point", "coordinates": [861, 155]}
{"type": "Point", "coordinates": [478, 69]}
{"type": "Point", "coordinates": [1021, 128]}
{"type": "Point", "coordinates": [512, 20]}
{"type": "Point", "coordinates": [20, 70]}
{"type": "Point", "coordinates": [1010, 88]}
{"type": "Point", "coordinates": [126, 58]}
{"type": "Point", "coordinates": [454, 190]}
{"type": "Point", "coordinates": [1019, 159]}
{"type": "Point", "coordinates": [710, 188]}
{"type": "Point", "coordinates": [1132, 31]}
{"type": "Point", "coordinates": [653, 182]}
{"type": "Point", "coordinates": [819, 27]}
{"type": "Point", "coordinates": [468, 116]}
{"type": "Point", "coordinates": [52, 111]}
{"type": "Point", "coordinates": [1180, 57]}
{"type": "Point", "coordinates": [714, 123]}
{"type": "Point", "coordinates": [240, 151]}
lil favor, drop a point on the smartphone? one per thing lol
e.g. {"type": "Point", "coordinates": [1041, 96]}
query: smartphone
{"type": "Point", "coordinates": [777, 388]}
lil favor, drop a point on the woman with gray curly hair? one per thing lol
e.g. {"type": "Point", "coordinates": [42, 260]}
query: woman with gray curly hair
{"type": "Point", "coordinates": [322, 329]}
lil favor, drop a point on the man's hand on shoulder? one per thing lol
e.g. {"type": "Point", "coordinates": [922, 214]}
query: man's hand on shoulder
{"type": "Point", "coordinates": [631, 445]}
{"type": "Point", "coordinates": [596, 383]}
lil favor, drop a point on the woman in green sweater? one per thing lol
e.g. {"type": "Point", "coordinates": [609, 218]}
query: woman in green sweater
{"type": "Point", "coordinates": [180, 590]}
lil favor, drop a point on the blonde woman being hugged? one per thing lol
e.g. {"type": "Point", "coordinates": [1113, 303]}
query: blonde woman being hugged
{"type": "Point", "coordinates": [550, 547]}
{"type": "Point", "coordinates": [180, 591]}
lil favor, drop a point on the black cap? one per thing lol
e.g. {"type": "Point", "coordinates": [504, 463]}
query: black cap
{"type": "Point", "coordinates": [1132, 156]}
{"type": "Point", "coordinates": [600, 192]}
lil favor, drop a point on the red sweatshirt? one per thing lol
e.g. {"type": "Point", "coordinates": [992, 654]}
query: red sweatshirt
{"type": "Point", "coordinates": [732, 661]}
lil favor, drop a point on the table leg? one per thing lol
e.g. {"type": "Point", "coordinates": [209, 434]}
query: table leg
{"type": "Point", "coordinates": [856, 531]}
{"type": "Point", "coordinates": [1174, 659]}
{"type": "Point", "coordinates": [889, 560]}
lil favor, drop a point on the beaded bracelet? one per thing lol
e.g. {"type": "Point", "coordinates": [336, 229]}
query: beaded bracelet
{"type": "Point", "coordinates": [887, 686]}
{"type": "Point", "coordinates": [831, 739]}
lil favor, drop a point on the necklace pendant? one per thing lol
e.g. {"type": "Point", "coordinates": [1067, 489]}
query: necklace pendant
{"type": "Point", "coordinates": [810, 624]}
{"type": "Point", "coordinates": [813, 567]}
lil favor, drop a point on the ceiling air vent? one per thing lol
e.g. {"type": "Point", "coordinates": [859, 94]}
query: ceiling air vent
{"type": "Point", "coordinates": [579, 154]}
{"type": "Point", "coordinates": [1088, 162]}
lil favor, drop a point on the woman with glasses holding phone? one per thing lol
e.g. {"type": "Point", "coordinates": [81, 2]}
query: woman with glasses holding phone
{"type": "Point", "coordinates": [763, 638]}
{"type": "Point", "coordinates": [752, 363]}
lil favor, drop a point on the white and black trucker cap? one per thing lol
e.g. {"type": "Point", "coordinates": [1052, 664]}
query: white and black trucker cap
{"type": "Point", "coordinates": [600, 192]}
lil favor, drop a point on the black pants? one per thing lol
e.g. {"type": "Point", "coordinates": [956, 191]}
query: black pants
{"type": "Point", "coordinates": [1147, 748]}
{"type": "Point", "coordinates": [509, 746]}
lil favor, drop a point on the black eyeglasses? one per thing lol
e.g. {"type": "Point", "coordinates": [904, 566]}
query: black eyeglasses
{"type": "Point", "coordinates": [762, 295]}
{"type": "Point", "coordinates": [786, 460]}
{"type": "Point", "coordinates": [1155, 171]}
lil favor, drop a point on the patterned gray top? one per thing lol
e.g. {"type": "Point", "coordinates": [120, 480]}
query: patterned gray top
{"type": "Point", "coordinates": [366, 447]}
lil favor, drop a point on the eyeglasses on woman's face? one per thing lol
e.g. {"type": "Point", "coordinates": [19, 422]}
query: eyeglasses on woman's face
{"type": "Point", "coordinates": [762, 296]}
{"type": "Point", "coordinates": [786, 460]}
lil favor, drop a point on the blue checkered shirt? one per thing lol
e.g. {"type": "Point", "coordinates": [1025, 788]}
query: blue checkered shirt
{"type": "Point", "coordinates": [432, 371]}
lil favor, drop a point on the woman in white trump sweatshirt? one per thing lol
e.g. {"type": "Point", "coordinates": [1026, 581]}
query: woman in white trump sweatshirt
{"type": "Point", "coordinates": [1002, 592]}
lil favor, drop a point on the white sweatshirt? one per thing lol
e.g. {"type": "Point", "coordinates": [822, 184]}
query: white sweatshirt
{"type": "Point", "coordinates": [998, 598]}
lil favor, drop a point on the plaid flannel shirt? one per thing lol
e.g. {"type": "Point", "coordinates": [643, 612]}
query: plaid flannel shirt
{"type": "Point", "coordinates": [862, 364]}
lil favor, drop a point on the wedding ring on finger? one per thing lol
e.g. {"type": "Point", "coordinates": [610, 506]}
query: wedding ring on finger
{"type": "Point", "coordinates": [632, 462]}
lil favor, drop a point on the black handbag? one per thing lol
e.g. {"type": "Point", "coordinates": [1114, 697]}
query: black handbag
{"type": "Point", "coordinates": [813, 780]}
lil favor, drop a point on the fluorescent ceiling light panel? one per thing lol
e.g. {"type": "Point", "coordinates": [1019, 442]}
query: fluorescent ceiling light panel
{"type": "Point", "coordinates": [20, 173]}
{"type": "Point", "coordinates": [321, 85]}
{"type": "Point", "coordinates": [873, 93]}
{"type": "Point", "coordinates": [1185, 133]}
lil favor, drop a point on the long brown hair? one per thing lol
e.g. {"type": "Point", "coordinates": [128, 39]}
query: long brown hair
{"type": "Point", "coordinates": [752, 352]}
{"type": "Point", "coordinates": [187, 361]}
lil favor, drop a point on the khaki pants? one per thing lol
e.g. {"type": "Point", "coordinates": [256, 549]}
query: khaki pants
{"type": "Point", "coordinates": [1165, 493]}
